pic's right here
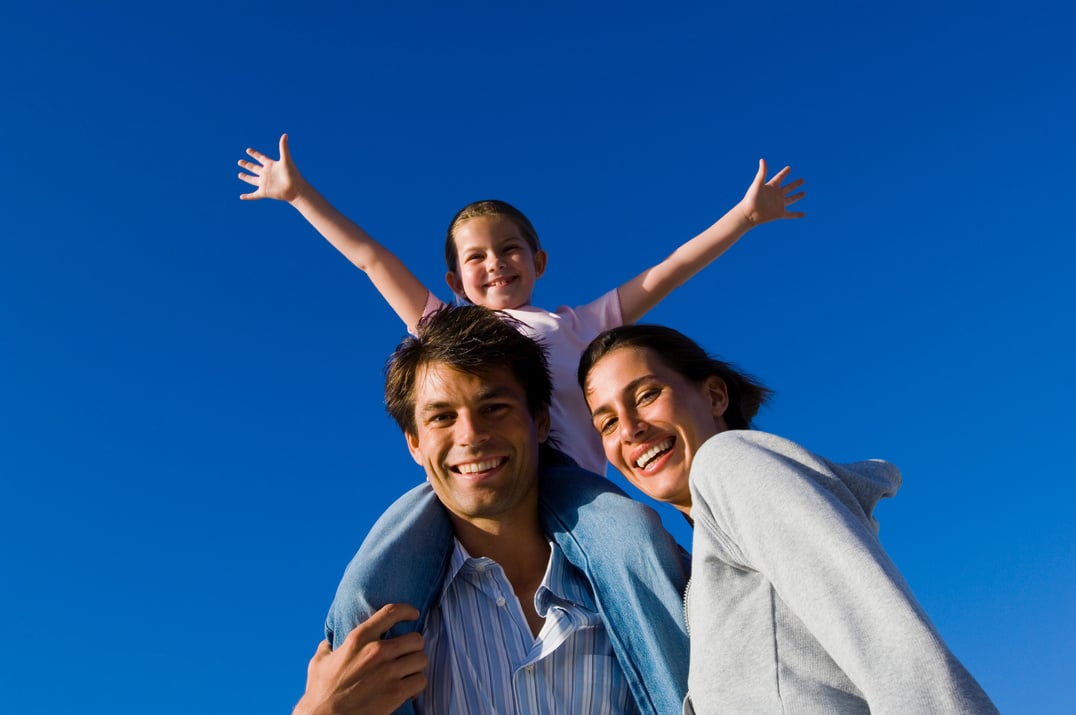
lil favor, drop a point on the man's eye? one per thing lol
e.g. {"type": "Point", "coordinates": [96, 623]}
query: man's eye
{"type": "Point", "coordinates": [439, 418]}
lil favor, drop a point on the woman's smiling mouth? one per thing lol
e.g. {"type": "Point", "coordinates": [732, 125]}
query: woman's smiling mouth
{"type": "Point", "coordinates": [647, 458]}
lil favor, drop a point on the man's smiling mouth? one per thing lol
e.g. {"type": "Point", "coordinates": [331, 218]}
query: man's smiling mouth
{"type": "Point", "coordinates": [484, 465]}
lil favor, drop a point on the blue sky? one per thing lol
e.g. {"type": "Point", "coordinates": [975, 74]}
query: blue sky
{"type": "Point", "coordinates": [192, 442]}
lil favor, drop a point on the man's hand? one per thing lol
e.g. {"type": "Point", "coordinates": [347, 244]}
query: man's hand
{"type": "Point", "coordinates": [274, 178]}
{"type": "Point", "coordinates": [769, 201]}
{"type": "Point", "coordinates": [365, 674]}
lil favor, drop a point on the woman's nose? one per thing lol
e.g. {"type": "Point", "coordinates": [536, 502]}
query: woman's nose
{"type": "Point", "coordinates": [631, 428]}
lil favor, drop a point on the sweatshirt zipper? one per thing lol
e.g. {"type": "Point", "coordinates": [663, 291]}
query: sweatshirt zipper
{"type": "Point", "coordinates": [687, 623]}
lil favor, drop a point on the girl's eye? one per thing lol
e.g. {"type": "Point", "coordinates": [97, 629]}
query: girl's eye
{"type": "Point", "coordinates": [607, 426]}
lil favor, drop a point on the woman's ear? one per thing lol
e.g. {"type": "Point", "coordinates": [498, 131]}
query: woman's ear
{"type": "Point", "coordinates": [718, 393]}
{"type": "Point", "coordinates": [540, 259]}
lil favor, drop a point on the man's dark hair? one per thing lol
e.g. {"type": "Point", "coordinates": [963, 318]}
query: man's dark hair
{"type": "Point", "coordinates": [685, 356]}
{"type": "Point", "coordinates": [473, 340]}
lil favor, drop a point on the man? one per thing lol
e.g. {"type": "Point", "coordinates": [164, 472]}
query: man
{"type": "Point", "coordinates": [507, 593]}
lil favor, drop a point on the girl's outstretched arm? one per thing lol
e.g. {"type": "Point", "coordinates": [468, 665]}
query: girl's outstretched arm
{"type": "Point", "coordinates": [764, 201]}
{"type": "Point", "coordinates": [280, 179]}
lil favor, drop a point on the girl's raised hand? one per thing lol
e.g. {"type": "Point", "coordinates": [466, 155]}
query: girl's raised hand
{"type": "Point", "coordinates": [768, 200]}
{"type": "Point", "coordinates": [273, 178]}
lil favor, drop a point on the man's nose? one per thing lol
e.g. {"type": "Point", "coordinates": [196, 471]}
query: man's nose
{"type": "Point", "coordinates": [470, 431]}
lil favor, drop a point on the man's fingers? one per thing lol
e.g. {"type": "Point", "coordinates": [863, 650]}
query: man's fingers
{"type": "Point", "coordinates": [284, 155]}
{"type": "Point", "coordinates": [412, 685]}
{"type": "Point", "coordinates": [378, 624]}
{"type": "Point", "coordinates": [323, 651]}
{"type": "Point", "coordinates": [252, 180]}
{"type": "Point", "coordinates": [262, 158]}
{"type": "Point", "coordinates": [794, 198]}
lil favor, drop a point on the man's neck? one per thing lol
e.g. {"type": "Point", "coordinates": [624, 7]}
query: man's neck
{"type": "Point", "coordinates": [521, 549]}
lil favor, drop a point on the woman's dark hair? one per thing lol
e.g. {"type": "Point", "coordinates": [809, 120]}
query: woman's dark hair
{"type": "Point", "coordinates": [685, 356]}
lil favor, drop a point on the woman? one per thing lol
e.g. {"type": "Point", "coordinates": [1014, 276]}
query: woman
{"type": "Point", "coordinates": [793, 604]}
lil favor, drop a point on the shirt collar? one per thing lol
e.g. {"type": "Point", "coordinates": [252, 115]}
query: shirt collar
{"type": "Point", "coordinates": [561, 584]}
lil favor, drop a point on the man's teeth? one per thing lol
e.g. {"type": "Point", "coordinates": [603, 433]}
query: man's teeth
{"type": "Point", "coordinates": [653, 453]}
{"type": "Point", "coordinates": [475, 467]}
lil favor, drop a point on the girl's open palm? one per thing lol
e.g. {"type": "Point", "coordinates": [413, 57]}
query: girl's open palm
{"type": "Point", "coordinates": [770, 201]}
{"type": "Point", "coordinates": [273, 178]}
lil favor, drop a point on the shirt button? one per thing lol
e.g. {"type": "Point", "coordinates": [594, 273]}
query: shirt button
{"type": "Point", "coordinates": [529, 668]}
{"type": "Point", "coordinates": [501, 601]}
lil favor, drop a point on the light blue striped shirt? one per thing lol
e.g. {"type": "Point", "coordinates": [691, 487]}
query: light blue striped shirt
{"type": "Point", "coordinates": [483, 659]}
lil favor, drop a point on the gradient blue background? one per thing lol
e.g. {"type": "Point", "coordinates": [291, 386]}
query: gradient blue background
{"type": "Point", "coordinates": [192, 442]}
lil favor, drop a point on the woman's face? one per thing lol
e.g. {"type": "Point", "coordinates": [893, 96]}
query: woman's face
{"type": "Point", "coordinates": [652, 420]}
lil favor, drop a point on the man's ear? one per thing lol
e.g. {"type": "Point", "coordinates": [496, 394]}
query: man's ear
{"type": "Point", "coordinates": [454, 282]}
{"type": "Point", "coordinates": [414, 448]}
{"type": "Point", "coordinates": [540, 259]}
{"type": "Point", "coordinates": [541, 422]}
{"type": "Point", "coordinates": [718, 394]}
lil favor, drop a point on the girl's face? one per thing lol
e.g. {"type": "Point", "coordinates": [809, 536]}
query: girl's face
{"type": "Point", "coordinates": [496, 266]}
{"type": "Point", "coordinates": [652, 420]}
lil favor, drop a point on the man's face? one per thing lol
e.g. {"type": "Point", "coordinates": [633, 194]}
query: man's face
{"type": "Point", "coordinates": [478, 442]}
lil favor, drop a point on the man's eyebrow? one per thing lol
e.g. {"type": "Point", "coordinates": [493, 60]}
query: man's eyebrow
{"type": "Point", "coordinates": [497, 392]}
{"type": "Point", "coordinates": [435, 406]}
{"type": "Point", "coordinates": [491, 393]}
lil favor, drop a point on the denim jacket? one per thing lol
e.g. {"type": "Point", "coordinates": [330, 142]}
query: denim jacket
{"type": "Point", "coordinates": [635, 568]}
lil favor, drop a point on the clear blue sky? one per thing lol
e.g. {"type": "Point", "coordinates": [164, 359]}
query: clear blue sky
{"type": "Point", "coordinates": [192, 442]}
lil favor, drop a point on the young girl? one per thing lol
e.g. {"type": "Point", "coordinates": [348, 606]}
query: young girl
{"type": "Point", "coordinates": [494, 259]}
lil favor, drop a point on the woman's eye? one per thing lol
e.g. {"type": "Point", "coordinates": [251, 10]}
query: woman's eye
{"type": "Point", "coordinates": [648, 396]}
{"type": "Point", "coordinates": [607, 426]}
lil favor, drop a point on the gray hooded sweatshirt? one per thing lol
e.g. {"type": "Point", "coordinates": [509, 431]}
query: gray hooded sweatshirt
{"type": "Point", "coordinates": [793, 606]}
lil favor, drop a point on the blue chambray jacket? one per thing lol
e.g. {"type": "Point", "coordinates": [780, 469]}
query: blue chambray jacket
{"type": "Point", "coordinates": [636, 570]}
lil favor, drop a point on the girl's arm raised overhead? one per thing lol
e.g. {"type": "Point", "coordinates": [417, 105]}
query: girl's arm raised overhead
{"type": "Point", "coordinates": [764, 201]}
{"type": "Point", "coordinates": [280, 179]}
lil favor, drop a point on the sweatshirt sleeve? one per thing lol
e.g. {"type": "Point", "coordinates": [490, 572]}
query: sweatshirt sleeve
{"type": "Point", "coordinates": [806, 526]}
